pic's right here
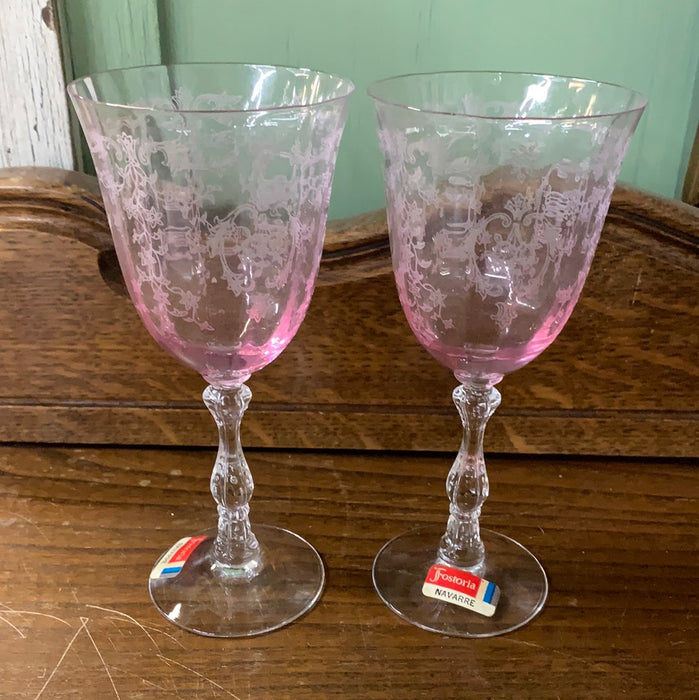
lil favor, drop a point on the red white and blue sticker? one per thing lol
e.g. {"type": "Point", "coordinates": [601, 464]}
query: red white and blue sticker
{"type": "Point", "coordinates": [461, 588]}
{"type": "Point", "coordinates": [171, 563]}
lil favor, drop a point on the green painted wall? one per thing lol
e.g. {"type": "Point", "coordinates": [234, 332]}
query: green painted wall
{"type": "Point", "coordinates": [649, 45]}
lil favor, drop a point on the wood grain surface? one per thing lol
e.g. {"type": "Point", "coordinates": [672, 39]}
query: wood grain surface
{"type": "Point", "coordinates": [622, 379]}
{"type": "Point", "coordinates": [81, 528]}
{"type": "Point", "coordinates": [82, 524]}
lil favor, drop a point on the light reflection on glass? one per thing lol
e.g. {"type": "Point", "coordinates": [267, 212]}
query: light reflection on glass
{"type": "Point", "coordinates": [590, 109]}
{"type": "Point", "coordinates": [256, 93]}
{"type": "Point", "coordinates": [536, 95]}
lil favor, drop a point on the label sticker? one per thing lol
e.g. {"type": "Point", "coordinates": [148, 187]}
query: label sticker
{"type": "Point", "coordinates": [461, 588]}
{"type": "Point", "coordinates": [171, 563]}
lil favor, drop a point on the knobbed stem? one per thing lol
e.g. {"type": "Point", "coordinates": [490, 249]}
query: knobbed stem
{"type": "Point", "coordinates": [467, 483]}
{"type": "Point", "coordinates": [235, 549]}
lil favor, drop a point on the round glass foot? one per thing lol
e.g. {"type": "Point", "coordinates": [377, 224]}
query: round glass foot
{"type": "Point", "coordinates": [402, 564]}
{"type": "Point", "coordinates": [203, 599]}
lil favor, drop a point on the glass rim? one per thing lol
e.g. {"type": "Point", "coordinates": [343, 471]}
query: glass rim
{"type": "Point", "coordinates": [72, 91]}
{"type": "Point", "coordinates": [641, 99]}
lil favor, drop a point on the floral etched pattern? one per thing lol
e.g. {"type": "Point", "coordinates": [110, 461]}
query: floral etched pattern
{"type": "Point", "coordinates": [217, 205]}
{"type": "Point", "coordinates": [218, 217]}
{"type": "Point", "coordinates": [161, 191]}
{"type": "Point", "coordinates": [494, 223]}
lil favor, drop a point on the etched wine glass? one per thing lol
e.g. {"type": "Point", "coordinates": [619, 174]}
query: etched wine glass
{"type": "Point", "coordinates": [216, 179]}
{"type": "Point", "coordinates": [497, 186]}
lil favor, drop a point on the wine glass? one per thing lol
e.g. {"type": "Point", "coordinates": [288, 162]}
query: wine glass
{"type": "Point", "coordinates": [216, 179]}
{"type": "Point", "coordinates": [497, 186]}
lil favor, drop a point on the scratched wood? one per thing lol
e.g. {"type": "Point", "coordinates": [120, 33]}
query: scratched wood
{"type": "Point", "coordinates": [81, 528]}
{"type": "Point", "coordinates": [78, 367]}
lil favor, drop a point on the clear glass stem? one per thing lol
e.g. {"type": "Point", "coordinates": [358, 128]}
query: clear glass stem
{"type": "Point", "coordinates": [467, 483]}
{"type": "Point", "coordinates": [235, 549]}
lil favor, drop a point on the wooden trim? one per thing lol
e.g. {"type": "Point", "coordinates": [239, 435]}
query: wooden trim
{"type": "Point", "coordinates": [347, 427]}
{"type": "Point", "coordinates": [33, 107]}
{"type": "Point", "coordinates": [690, 189]}
{"type": "Point", "coordinates": [97, 36]}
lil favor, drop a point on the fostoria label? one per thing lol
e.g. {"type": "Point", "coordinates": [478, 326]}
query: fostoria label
{"type": "Point", "coordinates": [461, 588]}
{"type": "Point", "coordinates": [172, 562]}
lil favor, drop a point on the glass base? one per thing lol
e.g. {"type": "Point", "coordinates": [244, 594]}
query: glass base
{"type": "Point", "coordinates": [402, 564]}
{"type": "Point", "coordinates": [203, 599]}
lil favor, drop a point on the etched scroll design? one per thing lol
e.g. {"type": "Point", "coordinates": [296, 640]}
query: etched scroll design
{"type": "Point", "coordinates": [247, 190]}
{"type": "Point", "coordinates": [501, 218]}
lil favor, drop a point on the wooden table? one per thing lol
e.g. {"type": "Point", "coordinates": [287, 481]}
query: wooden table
{"type": "Point", "coordinates": [106, 456]}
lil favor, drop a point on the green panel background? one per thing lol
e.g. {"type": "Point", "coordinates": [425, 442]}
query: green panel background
{"type": "Point", "coordinates": [649, 45]}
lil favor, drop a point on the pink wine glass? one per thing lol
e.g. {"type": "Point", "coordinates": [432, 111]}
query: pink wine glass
{"type": "Point", "coordinates": [497, 186]}
{"type": "Point", "coordinates": [216, 181]}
